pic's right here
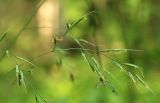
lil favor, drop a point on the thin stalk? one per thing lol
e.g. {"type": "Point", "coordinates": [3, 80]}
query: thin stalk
{"type": "Point", "coordinates": [76, 22]}
{"type": "Point", "coordinates": [22, 29]}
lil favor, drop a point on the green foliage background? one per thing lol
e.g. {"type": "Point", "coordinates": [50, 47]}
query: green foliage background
{"type": "Point", "coordinates": [131, 24]}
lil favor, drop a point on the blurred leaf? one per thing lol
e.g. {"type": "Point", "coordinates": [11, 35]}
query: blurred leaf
{"type": "Point", "coordinates": [87, 42]}
{"type": "Point", "coordinates": [119, 50]}
{"type": "Point", "coordinates": [22, 29]}
{"type": "Point", "coordinates": [7, 53]}
{"type": "Point", "coordinates": [88, 61]}
{"type": "Point", "coordinates": [72, 25]}
{"type": "Point", "coordinates": [3, 36]}
{"type": "Point", "coordinates": [141, 80]}
{"type": "Point", "coordinates": [135, 67]}
{"type": "Point", "coordinates": [22, 80]}
{"type": "Point", "coordinates": [143, 83]}
{"type": "Point", "coordinates": [131, 76]}
{"type": "Point", "coordinates": [109, 73]}
{"type": "Point", "coordinates": [119, 65]}
{"type": "Point", "coordinates": [18, 75]}
{"type": "Point", "coordinates": [36, 98]}
{"type": "Point", "coordinates": [25, 60]}
{"type": "Point", "coordinates": [97, 67]}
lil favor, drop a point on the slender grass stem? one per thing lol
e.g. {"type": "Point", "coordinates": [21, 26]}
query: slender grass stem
{"type": "Point", "coordinates": [22, 29]}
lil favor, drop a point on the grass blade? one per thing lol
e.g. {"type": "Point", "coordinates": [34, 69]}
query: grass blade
{"type": "Point", "coordinates": [78, 49]}
{"type": "Point", "coordinates": [25, 60]}
{"type": "Point", "coordinates": [131, 76]}
{"type": "Point", "coordinates": [96, 64]}
{"type": "Point", "coordinates": [71, 26]}
{"type": "Point", "coordinates": [143, 83]}
{"type": "Point", "coordinates": [84, 55]}
{"type": "Point", "coordinates": [77, 41]}
{"type": "Point", "coordinates": [118, 50]}
{"type": "Point", "coordinates": [22, 29]}
{"type": "Point", "coordinates": [3, 36]}
{"type": "Point", "coordinates": [132, 65]}
{"type": "Point", "coordinates": [87, 42]}
{"type": "Point", "coordinates": [98, 68]}
{"type": "Point", "coordinates": [36, 98]}
{"type": "Point", "coordinates": [119, 65]}
{"type": "Point", "coordinates": [135, 67]}
{"type": "Point", "coordinates": [141, 80]}
{"type": "Point", "coordinates": [88, 61]}
{"type": "Point", "coordinates": [18, 76]}
{"type": "Point", "coordinates": [22, 80]}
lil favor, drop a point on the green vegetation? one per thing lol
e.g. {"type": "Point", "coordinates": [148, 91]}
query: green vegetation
{"type": "Point", "coordinates": [103, 52]}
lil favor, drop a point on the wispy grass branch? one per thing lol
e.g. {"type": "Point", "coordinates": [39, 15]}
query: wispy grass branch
{"type": "Point", "coordinates": [23, 28]}
{"type": "Point", "coordinates": [72, 25]}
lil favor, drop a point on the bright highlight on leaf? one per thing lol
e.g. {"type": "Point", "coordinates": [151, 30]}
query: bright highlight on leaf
{"type": "Point", "coordinates": [7, 53]}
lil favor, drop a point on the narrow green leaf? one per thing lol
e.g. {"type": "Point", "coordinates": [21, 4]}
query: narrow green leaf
{"type": "Point", "coordinates": [87, 60]}
{"type": "Point", "coordinates": [119, 65]}
{"type": "Point", "coordinates": [141, 80]}
{"type": "Point", "coordinates": [131, 76]}
{"type": "Point", "coordinates": [118, 50]}
{"type": "Point", "coordinates": [71, 26]}
{"type": "Point", "coordinates": [92, 63]}
{"type": "Point", "coordinates": [84, 56]}
{"type": "Point", "coordinates": [3, 36]}
{"type": "Point", "coordinates": [36, 98]}
{"type": "Point", "coordinates": [135, 67]}
{"type": "Point", "coordinates": [79, 49]}
{"type": "Point", "coordinates": [22, 80]}
{"type": "Point", "coordinates": [144, 83]}
{"type": "Point", "coordinates": [77, 41]}
{"type": "Point", "coordinates": [97, 67]}
{"type": "Point", "coordinates": [87, 42]}
{"type": "Point", "coordinates": [17, 69]}
{"type": "Point", "coordinates": [96, 64]}
{"type": "Point", "coordinates": [18, 76]}
{"type": "Point", "coordinates": [25, 60]}
{"type": "Point", "coordinates": [132, 65]}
